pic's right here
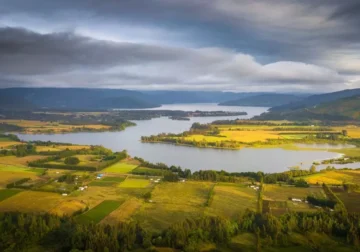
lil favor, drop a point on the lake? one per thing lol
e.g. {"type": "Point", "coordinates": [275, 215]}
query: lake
{"type": "Point", "coordinates": [247, 159]}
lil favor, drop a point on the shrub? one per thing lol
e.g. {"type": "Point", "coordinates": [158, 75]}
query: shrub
{"type": "Point", "coordinates": [72, 161]}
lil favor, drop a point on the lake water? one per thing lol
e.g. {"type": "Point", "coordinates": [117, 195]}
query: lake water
{"type": "Point", "coordinates": [247, 159]}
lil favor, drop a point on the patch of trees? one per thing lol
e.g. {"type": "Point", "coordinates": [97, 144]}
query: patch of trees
{"type": "Point", "coordinates": [17, 183]}
{"type": "Point", "coordinates": [5, 127]}
{"type": "Point", "coordinates": [171, 177]}
{"type": "Point", "coordinates": [11, 137]}
{"type": "Point", "coordinates": [72, 161]}
{"type": "Point", "coordinates": [301, 183]}
{"type": "Point", "coordinates": [322, 202]}
{"type": "Point", "coordinates": [223, 176]}
{"type": "Point", "coordinates": [44, 163]}
{"type": "Point", "coordinates": [186, 173]}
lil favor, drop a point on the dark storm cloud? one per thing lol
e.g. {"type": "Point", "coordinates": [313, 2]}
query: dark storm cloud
{"type": "Point", "coordinates": [187, 43]}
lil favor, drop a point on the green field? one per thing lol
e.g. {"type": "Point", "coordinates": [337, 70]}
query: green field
{"type": "Point", "coordinates": [134, 183]}
{"type": "Point", "coordinates": [99, 212]}
{"type": "Point", "coordinates": [103, 183]}
{"type": "Point", "coordinates": [4, 194]}
{"type": "Point", "coordinates": [229, 200]}
{"type": "Point", "coordinates": [120, 168]}
{"type": "Point", "coordinates": [147, 171]}
{"type": "Point", "coordinates": [174, 202]}
{"type": "Point", "coordinates": [15, 168]}
{"type": "Point", "coordinates": [113, 179]}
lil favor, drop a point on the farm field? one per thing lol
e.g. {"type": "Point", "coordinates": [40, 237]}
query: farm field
{"type": "Point", "coordinates": [6, 193]}
{"type": "Point", "coordinates": [61, 147]}
{"type": "Point", "coordinates": [121, 168]}
{"type": "Point", "coordinates": [99, 212]}
{"type": "Point", "coordinates": [229, 199]}
{"type": "Point", "coordinates": [23, 161]}
{"type": "Point", "coordinates": [6, 144]}
{"type": "Point", "coordinates": [147, 171]}
{"type": "Point", "coordinates": [31, 201]}
{"type": "Point", "coordinates": [283, 193]}
{"type": "Point", "coordinates": [336, 177]}
{"type": "Point", "coordinates": [173, 202]}
{"type": "Point", "coordinates": [135, 183]}
{"type": "Point", "coordinates": [53, 127]}
{"type": "Point", "coordinates": [124, 212]}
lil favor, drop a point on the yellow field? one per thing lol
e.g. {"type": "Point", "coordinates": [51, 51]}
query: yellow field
{"type": "Point", "coordinates": [7, 144]}
{"type": "Point", "coordinates": [124, 212]}
{"type": "Point", "coordinates": [134, 183]}
{"type": "Point", "coordinates": [330, 177]}
{"type": "Point", "coordinates": [173, 202]}
{"type": "Point", "coordinates": [353, 131]}
{"type": "Point", "coordinates": [30, 201]}
{"type": "Point", "coordinates": [229, 200]}
{"type": "Point", "coordinates": [282, 193]}
{"type": "Point", "coordinates": [67, 207]}
{"type": "Point", "coordinates": [250, 136]}
{"type": "Point", "coordinates": [7, 177]}
{"type": "Point", "coordinates": [13, 160]}
{"type": "Point", "coordinates": [43, 127]}
{"type": "Point", "coordinates": [61, 147]}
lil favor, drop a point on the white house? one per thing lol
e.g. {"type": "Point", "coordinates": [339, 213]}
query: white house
{"type": "Point", "coordinates": [296, 200]}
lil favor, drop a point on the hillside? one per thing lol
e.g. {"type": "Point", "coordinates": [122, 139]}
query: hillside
{"type": "Point", "coordinates": [263, 100]}
{"type": "Point", "coordinates": [80, 98]}
{"type": "Point", "coordinates": [314, 100]}
{"type": "Point", "coordinates": [345, 109]}
{"type": "Point", "coordinates": [349, 106]}
{"type": "Point", "coordinates": [14, 102]}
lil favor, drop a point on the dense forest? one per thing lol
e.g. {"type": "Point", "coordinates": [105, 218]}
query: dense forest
{"type": "Point", "coordinates": [25, 232]}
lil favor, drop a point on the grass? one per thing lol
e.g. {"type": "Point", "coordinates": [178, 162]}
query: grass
{"type": "Point", "coordinates": [23, 161]}
{"type": "Point", "coordinates": [124, 212]}
{"type": "Point", "coordinates": [114, 179]}
{"type": "Point", "coordinates": [121, 168]}
{"type": "Point", "coordinates": [99, 212]}
{"type": "Point", "coordinates": [229, 200]}
{"type": "Point", "coordinates": [333, 177]}
{"type": "Point", "coordinates": [173, 202]}
{"type": "Point", "coordinates": [68, 208]}
{"type": "Point", "coordinates": [282, 193]}
{"type": "Point", "coordinates": [147, 171]}
{"type": "Point", "coordinates": [351, 201]}
{"type": "Point", "coordinates": [6, 144]}
{"type": "Point", "coordinates": [31, 201]}
{"type": "Point", "coordinates": [134, 183]}
{"type": "Point", "coordinates": [16, 168]}
{"type": "Point", "coordinates": [61, 147]}
{"type": "Point", "coordinates": [51, 127]}
{"type": "Point", "coordinates": [4, 194]}
{"type": "Point", "coordinates": [103, 183]}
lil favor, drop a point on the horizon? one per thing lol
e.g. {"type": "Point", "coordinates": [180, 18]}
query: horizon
{"type": "Point", "coordinates": [272, 46]}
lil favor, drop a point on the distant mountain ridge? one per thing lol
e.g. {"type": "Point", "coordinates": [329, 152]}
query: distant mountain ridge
{"type": "Point", "coordinates": [343, 109]}
{"type": "Point", "coordinates": [314, 100]}
{"type": "Point", "coordinates": [263, 100]}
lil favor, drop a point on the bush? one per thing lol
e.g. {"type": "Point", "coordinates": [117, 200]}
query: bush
{"type": "Point", "coordinates": [301, 183]}
{"type": "Point", "coordinates": [17, 183]}
{"type": "Point", "coordinates": [72, 161]}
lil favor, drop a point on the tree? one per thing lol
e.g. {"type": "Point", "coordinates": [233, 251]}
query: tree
{"type": "Point", "coordinates": [71, 161]}
{"type": "Point", "coordinates": [313, 169]}
{"type": "Point", "coordinates": [345, 133]}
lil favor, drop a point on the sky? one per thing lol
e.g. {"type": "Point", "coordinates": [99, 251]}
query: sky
{"type": "Point", "coordinates": [210, 45]}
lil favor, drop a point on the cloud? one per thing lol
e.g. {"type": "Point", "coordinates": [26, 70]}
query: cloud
{"type": "Point", "coordinates": [68, 59]}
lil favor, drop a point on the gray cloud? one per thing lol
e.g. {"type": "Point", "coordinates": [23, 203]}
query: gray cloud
{"type": "Point", "coordinates": [64, 59]}
{"type": "Point", "coordinates": [214, 44]}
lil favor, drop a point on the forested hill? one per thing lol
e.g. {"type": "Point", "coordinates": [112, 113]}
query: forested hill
{"type": "Point", "coordinates": [263, 100]}
{"type": "Point", "coordinates": [349, 106]}
{"type": "Point", "coordinates": [315, 100]}
{"type": "Point", "coordinates": [79, 98]}
{"type": "Point", "coordinates": [345, 109]}
{"type": "Point", "coordinates": [12, 101]}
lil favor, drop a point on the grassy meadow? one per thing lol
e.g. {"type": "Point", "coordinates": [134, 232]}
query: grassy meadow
{"type": "Point", "coordinates": [34, 127]}
{"type": "Point", "coordinates": [120, 168]}
{"type": "Point", "coordinates": [6, 193]}
{"type": "Point", "coordinates": [99, 212]}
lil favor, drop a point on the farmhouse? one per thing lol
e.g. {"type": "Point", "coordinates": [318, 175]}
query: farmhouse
{"type": "Point", "coordinates": [296, 200]}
